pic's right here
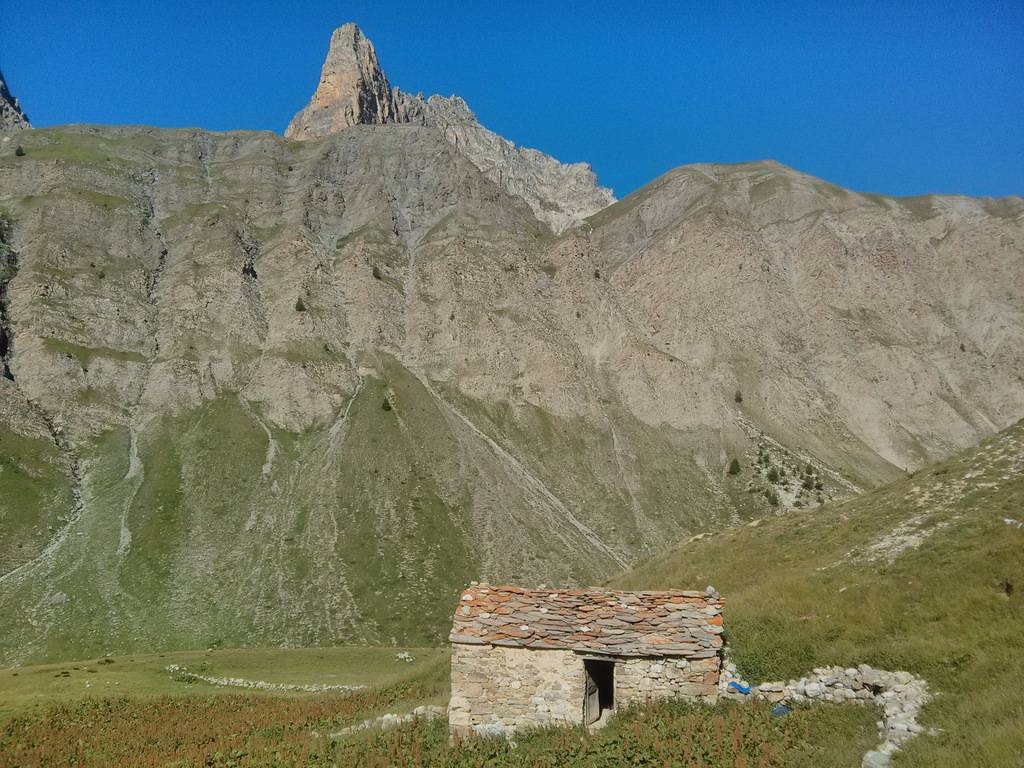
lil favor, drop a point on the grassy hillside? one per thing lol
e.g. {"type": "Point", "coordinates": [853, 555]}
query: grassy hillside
{"type": "Point", "coordinates": [164, 721]}
{"type": "Point", "coordinates": [924, 575]}
{"type": "Point", "coordinates": [36, 493]}
{"type": "Point", "coordinates": [183, 548]}
{"type": "Point", "coordinates": [131, 711]}
{"type": "Point", "coordinates": [144, 676]}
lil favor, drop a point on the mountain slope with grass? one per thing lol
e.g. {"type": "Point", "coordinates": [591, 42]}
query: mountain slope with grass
{"type": "Point", "coordinates": [923, 575]}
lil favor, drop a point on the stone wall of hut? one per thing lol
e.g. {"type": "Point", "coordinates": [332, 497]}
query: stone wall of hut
{"type": "Point", "coordinates": [639, 680]}
{"type": "Point", "coordinates": [500, 689]}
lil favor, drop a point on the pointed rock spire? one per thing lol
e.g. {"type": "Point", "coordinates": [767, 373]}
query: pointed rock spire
{"type": "Point", "coordinates": [12, 118]}
{"type": "Point", "coordinates": [353, 89]}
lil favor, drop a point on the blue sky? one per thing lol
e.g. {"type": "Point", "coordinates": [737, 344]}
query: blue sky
{"type": "Point", "coordinates": [900, 98]}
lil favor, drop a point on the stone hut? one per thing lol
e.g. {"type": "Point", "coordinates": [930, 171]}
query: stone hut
{"type": "Point", "coordinates": [537, 657]}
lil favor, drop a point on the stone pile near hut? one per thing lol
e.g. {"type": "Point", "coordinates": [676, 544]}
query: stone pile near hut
{"type": "Point", "coordinates": [900, 695]}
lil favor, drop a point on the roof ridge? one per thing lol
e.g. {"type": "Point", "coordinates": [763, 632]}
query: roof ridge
{"type": "Point", "coordinates": [708, 592]}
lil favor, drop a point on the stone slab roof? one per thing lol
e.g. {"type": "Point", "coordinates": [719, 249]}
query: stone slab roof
{"type": "Point", "coordinates": [598, 621]}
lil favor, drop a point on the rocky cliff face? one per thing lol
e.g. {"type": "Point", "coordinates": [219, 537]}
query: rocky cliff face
{"type": "Point", "coordinates": [354, 90]}
{"type": "Point", "coordinates": [262, 391]}
{"type": "Point", "coordinates": [12, 118]}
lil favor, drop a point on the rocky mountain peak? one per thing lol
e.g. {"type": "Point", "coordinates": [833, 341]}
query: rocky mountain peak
{"type": "Point", "coordinates": [354, 90]}
{"type": "Point", "coordinates": [12, 118]}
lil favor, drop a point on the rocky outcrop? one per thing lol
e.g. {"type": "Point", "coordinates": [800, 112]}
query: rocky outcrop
{"type": "Point", "coordinates": [12, 118]}
{"type": "Point", "coordinates": [354, 90]}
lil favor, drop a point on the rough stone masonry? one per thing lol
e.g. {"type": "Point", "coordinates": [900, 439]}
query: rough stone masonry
{"type": "Point", "coordinates": [526, 658]}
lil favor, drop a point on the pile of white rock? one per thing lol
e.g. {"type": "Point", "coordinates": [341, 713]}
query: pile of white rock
{"type": "Point", "coordinates": [389, 721]}
{"type": "Point", "coordinates": [182, 673]}
{"type": "Point", "coordinates": [901, 696]}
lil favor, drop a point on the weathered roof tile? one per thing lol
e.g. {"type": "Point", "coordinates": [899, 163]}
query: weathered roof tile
{"type": "Point", "coordinates": [671, 623]}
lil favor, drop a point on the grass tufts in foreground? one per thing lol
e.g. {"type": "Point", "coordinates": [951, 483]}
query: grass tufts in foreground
{"type": "Point", "coordinates": [239, 731]}
{"type": "Point", "coordinates": [671, 733]}
{"type": "Point", "coordinates": [224, 730]}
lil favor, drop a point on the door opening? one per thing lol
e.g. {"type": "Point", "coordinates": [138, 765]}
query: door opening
{"type": "Point", "coordinates": [600, 689]}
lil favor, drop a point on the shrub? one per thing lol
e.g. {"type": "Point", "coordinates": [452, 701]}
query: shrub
{"type": "Point", "coordinates": [808, 483]}
{"type": "Point", "coordinates": [300, 305]}
{"type": "Point", "coordinates": [734, 467]}
{"type": "Point", "coordinates": [772, 496]}
{"type": "Point", "coordinates": [738, 397]}
{"type": "Point", "coordinates": [386, 405]}
{"type": "Point", "coordinates": [597, 274]}
{"type": "Point", "coordinates": [773, 474]}
{"type": "Point", "coordinates": [20, 151]}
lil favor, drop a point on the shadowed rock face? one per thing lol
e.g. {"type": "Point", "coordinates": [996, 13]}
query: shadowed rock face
{"type": "Point", "coordinates": [354, 90]}
{"type": "Point", "coordinates": [11, 116]}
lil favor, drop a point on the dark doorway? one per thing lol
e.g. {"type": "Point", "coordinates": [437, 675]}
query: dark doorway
{"type": "Point", "coordinates": [599, 695]}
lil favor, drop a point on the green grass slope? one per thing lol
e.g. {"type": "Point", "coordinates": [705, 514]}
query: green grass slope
{"type": "Point", "coordinates": [209, 529]}
{"type": "Point", "coordinates": [925, 575]}
{"type": "Point", "coordinates": [144, 676]}
{"type": "Point", "coordinates": [131, 711]}
{"type": "Point", "coordinates": [35, 495]}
